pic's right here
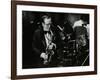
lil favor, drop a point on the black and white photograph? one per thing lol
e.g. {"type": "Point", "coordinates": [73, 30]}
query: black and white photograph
{"type": "Point", "coordinates": [54, 39]}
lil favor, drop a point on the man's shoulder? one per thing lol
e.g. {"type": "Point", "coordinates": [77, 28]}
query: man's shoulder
{"type": "Point", "coordinates": [38, 32]}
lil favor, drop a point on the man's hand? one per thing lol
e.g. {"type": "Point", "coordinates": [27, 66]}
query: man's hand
{"type": "Point", "coordinates": [44, 56]}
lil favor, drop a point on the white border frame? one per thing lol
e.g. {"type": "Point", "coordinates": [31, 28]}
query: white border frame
{"type": "Point", "coordinates": [35, 71]}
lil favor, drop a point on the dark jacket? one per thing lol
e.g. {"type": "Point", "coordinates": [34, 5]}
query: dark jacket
{"type": "Point", "coordinates": [39, 43]}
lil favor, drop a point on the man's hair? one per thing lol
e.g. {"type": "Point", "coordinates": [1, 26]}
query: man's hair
{"type": "Point", "coordinates": [45, 16]}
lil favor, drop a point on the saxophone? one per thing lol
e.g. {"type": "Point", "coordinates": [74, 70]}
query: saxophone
{"type": "Point", "coordinates": [49, 53]}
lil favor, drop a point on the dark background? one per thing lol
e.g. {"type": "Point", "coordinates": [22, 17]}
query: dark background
{"type": "Point", "coordinates": [30, 21]}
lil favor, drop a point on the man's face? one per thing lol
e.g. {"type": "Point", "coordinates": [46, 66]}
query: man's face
{"type": "Point", "coordinates": [47, 23]}
{"type": "Point", "coordinates": [82, 40]}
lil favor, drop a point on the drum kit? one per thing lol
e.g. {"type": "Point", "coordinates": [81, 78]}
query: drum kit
{"type": "Point", "coordinates": [70, 51]}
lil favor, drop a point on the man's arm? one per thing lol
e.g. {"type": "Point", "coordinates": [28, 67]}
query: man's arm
{"type": "Point", "coordinates": [36, 40]}
{"type": "Point", "coordinates": [35, 43]}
